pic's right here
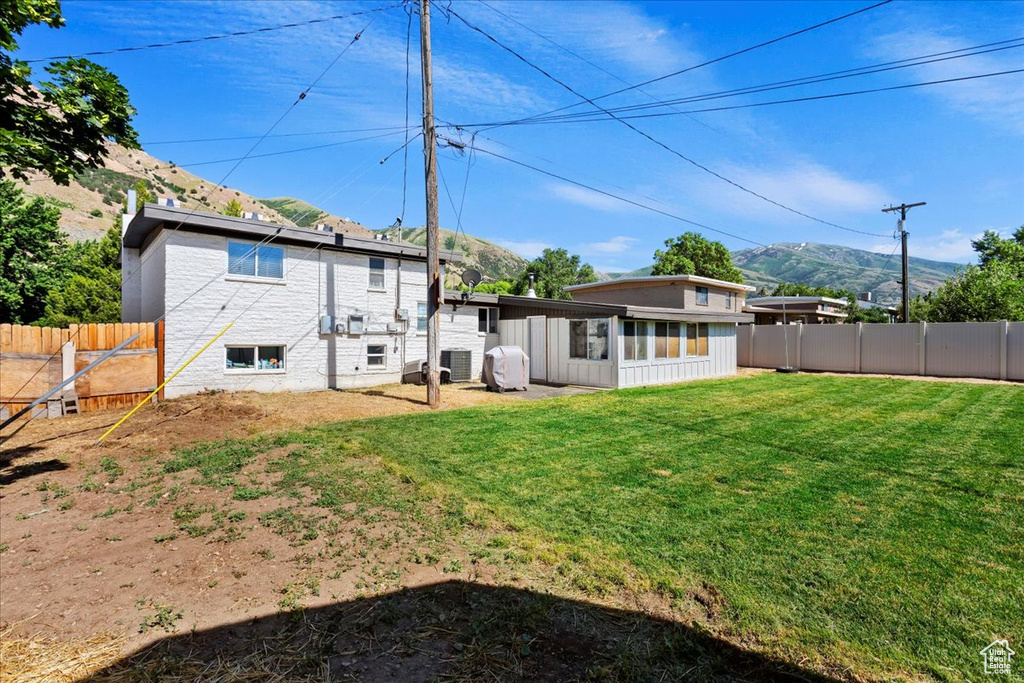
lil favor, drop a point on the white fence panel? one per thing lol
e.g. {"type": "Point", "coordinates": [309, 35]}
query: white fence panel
{"type": "Point", "coordinates": [1015, 351]}
{"type": "Point", "coordinates": [829, 347]}
{"type": "Point", "coordinates": [963, 350]}
{"type": "Point", "coordinates": [891, 349]}
{"type": "Point", "coordinates": [993, 350]}
{"type": "Point", "coordinates": [775, 346]}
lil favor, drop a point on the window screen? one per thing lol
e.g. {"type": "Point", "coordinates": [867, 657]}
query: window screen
{"type": "Point", "coordinates": [270, 262]}
{"type": "Point", "coordinates": [241, 259]}
{"type": "Point", "coordinates": [257, 261]}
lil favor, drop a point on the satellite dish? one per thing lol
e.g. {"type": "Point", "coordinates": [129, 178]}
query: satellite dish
{"type": "Point", "coordinates": [471, 278]}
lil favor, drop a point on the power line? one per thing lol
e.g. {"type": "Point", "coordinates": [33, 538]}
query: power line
{"type": "Point", "coordinates": [275, 135]}
{"type": "Point", "coordinates": [811, 98]}
{"type": "Point", "coordinates": [719, 59]}
{"type": "Point", "coordinates": [405, 158]}
{"type": "Point", "coordinates": [221, 36]}
{"type": "Point", "coordinates": [647, 207]}
{"type": "Point", "coordinates": [777, 85]}
{"type": "Point", "coordinates": [651, 138]}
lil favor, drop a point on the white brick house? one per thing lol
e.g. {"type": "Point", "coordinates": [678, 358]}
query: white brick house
{"type": "Point", "coordinates": [200, 271]}
{"type": "Point", "coordinates": [316, 310]}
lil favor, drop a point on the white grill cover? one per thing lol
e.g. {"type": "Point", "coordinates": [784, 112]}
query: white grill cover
{"type": "Point", "coordinates": [506, 367]}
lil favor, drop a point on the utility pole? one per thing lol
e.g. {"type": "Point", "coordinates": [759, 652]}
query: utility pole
{"type": "Point", "coordinates": [433, 261]}
{"type": "Point", "coordinates": [903, 208]}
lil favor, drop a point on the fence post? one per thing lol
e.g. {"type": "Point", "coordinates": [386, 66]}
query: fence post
{"type": "Point", "coordinates": [67, 365]}
{"type": "Point", "coordinates": [159, 359]}
{"type": "Point", "coordinates": [856, 361]}
{"type": "Point", "coordinates": [921, 335]}
{"type": "Point", "coordinates": [1004, 331]}
{"type": "Point", "coordinates": [799, 342]}
{"type": "Point", "coordinates": [750, 346]}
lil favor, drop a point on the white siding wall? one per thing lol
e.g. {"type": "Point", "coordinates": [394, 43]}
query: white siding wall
{"type": "Point", "coordinates": [459, 330]}
{"type": "Point", "coordinates": [287, 313]}
{"type": "Point", "coordinates": [131, 286]}
{"type": "Point", "coordinates": [720, 361]}
{"type": "Point", "coordinates": [143, 287]}
{"type": "Point", "coordinates": [565, 370]}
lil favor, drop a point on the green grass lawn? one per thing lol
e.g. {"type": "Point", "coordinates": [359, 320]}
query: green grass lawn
{"type": "Point", "coordinates": [841, 522]}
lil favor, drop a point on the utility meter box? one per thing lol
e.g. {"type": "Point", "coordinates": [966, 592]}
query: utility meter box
{"type": "Point", "coordinates": [326, 324]}
{"type": "Point", "coordinates": [356, 324]}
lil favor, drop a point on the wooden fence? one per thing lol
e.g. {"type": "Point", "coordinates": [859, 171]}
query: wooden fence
{"type": "Point", "coordinates": [34, 360]}
{"type": "Point", "coordinates": [987, 350]}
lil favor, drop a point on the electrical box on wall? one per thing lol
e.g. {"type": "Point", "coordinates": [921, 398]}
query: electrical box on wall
{"type": "Point", "coordinates": [326, 324]}
{"type": "Point", "coordinates": [401, 314]}
{"type": "Point", "coordinates": [393, 328]}
{"type": "Point", "coordinates": [340, 328]}
{"type": "Point", "coordinates": [356, 324]}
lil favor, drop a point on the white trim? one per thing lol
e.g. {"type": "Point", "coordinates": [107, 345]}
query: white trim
{"type": "Point", "coordinates": [256, 280]}
{"type": "Point", "coordinates": [662, 279]}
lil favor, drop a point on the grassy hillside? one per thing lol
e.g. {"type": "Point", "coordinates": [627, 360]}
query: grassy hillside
{"type": "Point", "coordinates": [494, 262]}
{"type": "Point", "coordinates": [837, 266]}
{"type": "Point", "coordinates": [94, 198]}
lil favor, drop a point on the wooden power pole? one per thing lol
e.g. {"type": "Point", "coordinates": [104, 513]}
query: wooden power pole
{"type": "Point", "coordinates": [433, 261]}
{"type": "Point", "coordinates": [903, 208]}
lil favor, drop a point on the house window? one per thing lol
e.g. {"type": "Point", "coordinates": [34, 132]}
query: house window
{"type": "Point", "coordinates": [634, 340]}
{"type": "Point", "coordinates": [488, 321]}
{"type": "Point", "coordinates": [697, 339]}
{"type": "Point", "coordinates": [254, 358]}
{"type": "Point", "coordinates": [376, 273]}
{"type": "Point", "coordinates": [421, 317]}
{"type": "Point", "coordinates": [588, 339]}
{"type": "Point", "coordinates": [728, 301]}
{"type": "Point", "coordinates": [666, 340]}
{"type": "Point", "coordinates": [255, 260]}
{"type": "Point", "coordinates": [702, 296]}
{"type": "Point", "coordinates": [376, 355]}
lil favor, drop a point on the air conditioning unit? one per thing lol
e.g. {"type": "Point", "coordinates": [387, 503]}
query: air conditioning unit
{"type": "Point", "coordinates": [323, 227]}
{"type": "Point", "coordinates": [167, 201]}
{"type": "Point", "coordinates": [356, 324]}
{"type": "Point", "coordinates": [251, 215]}
{"type": "Point", "coordinates": [460, 362]}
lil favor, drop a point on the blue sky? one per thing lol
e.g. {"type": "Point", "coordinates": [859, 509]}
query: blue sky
{"type": "Point", "coordinates": [959, 146]}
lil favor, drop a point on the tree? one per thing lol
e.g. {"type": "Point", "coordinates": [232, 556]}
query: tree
{"type": "Point", "coordinates": [991, 290]}
{"type": "Point", "coordinates": [693, 254]}
{"type": "Point", "coordinates": [33, 254]}
{"type": "Point", "coordinates": [58, 126]}
{"type": "Point", "coordinates": [496, 287]}
{"type": "Point", "coordinates": [91, 293]}
{"type": "Point", "coordinates": [554, 270]}
{"type": "Point", "coordinates": [233, 208]}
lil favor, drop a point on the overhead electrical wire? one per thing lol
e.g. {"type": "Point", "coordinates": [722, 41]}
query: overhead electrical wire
{"type": "Point", "coordinates": [777, 85]}
{"type": "Point", "coordinates": [230, 138]}
{"type": "Point", "coordinates": [220, 36]}
{"type": "Point", "coordinates": [405, 147]}
{"type": "Point", "coordinates": [650, 137]}
{"type": "Point", "coordinates": [723, 58]}
{"type": "Point", "coordinates": [662, 212]}
{"type": "Point", "coordinates": [271, 237]}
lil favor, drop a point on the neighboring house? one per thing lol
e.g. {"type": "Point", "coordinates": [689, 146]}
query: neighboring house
{"type": "Point", "coordinates": [863, 300]}
{"type": "Point", "coordinates": [781, 310]}
{"type": "Point", "coordinates": [310, 309]}
{"type": "Point", "coordinates": [315, 310]}
{"type": "Point", "coordinates": [689, 292]}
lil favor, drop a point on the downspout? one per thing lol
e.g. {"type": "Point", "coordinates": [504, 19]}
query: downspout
{"type": "Point", "coordinates": [398, 305]}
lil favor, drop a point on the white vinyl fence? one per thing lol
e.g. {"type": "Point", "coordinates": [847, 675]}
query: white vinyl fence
{"type": "Point", "coordinates": [985, 350]}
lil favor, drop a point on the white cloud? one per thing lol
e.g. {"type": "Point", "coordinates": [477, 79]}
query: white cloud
{"type": "Point", "coordinates": [615, 245]}
{"type": "Point", "coordinates": [998, 100]}
{"type": "Point", "coordinates": [526, 249]}
{"type": "Point", "coordinates": [949, 245]}
{"type": "Point", "coordinates": [587, 198]}
{"type": "Point", "coordinates": [804, 186]}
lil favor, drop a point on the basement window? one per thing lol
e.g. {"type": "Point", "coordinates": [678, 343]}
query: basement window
{"type": "Point", "coordinates": [376, 273]}
{"type": "Point", "coordinates": [588, 339]}
{"type": "Point", "coordinates": [696, 339]}
{"type": "Point", "coordinates": [634, 340]}
{"type": "Point", "coordinates": [255, 358]}
{"type": "Point", "coordinates": [376, 355]}
{"type": "Point", "coordinates": [253, 260]}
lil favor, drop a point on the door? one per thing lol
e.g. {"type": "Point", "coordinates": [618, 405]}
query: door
{"type": "Point", "coordinates": [538, 351]}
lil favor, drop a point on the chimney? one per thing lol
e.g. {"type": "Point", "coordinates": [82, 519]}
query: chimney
{"type": "Point", "coordinates": [531, 293]}
{"type": "Point", "coordinates": [129, 210]}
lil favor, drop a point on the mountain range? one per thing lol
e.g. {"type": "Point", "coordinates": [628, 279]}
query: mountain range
{"type": "Point", "coordinates": [92, 201]}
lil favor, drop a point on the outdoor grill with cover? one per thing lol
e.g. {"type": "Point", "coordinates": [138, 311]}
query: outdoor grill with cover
{"type": "Point", "coordinates": [506, 367]}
